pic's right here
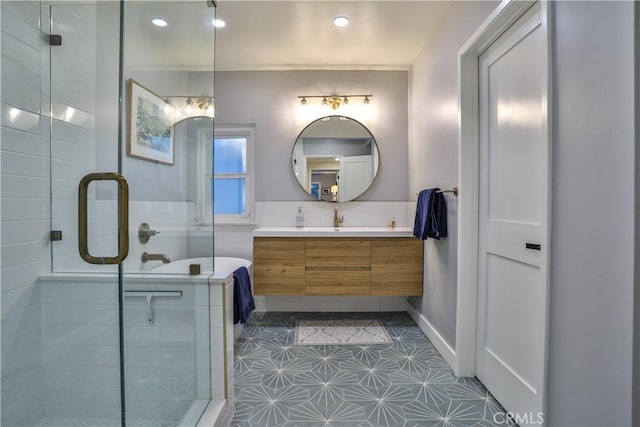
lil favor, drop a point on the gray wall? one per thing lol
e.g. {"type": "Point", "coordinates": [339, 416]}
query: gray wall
{"type": "Point", "coordinates": [592, 264]}
{"type": "Point", "coordinates": [269, 99]}
{"type": "Point", "coordinates": [433, 153]}
{"type": "Point", "coordinates": [592, 261]}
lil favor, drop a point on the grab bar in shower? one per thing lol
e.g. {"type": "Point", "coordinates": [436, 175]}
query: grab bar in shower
{"type": "Point", "coordinates": [149, 295]}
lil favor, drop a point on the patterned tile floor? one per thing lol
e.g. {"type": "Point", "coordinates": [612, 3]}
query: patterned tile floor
{"type": "Point", "coordinates": [406, 383]}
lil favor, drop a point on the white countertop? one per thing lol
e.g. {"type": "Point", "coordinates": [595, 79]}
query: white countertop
{"type": "Point", "coordinates": [333, 232]}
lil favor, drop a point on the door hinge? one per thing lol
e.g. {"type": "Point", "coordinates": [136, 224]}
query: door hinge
{"type": "Point", "coordinates": [55, 40]}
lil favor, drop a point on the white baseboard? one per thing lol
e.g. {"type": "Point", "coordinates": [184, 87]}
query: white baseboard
{"type": "Point", "coordinates": [434, 336]}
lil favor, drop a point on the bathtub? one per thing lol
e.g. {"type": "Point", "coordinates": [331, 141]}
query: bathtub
{"type": "Point", "coordinates": [223, 266]}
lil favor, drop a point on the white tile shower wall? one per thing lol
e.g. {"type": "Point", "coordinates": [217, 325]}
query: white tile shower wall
{"type": "Point", "coordinates": [80, 348]}
{"type": "Point", "coordinates": [166, 362]}
{"type": "Point", "coordinates": [73, 132]}
{"type": "Point", "coordinates": [163, 359]}
{"type": "Point", "coordinates": [170, 219]}
{"type": "Point", "coordinates": [25, 208]}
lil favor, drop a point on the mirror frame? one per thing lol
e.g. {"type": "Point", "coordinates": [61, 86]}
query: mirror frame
{"type": "Point", "coordinates": [375, 145]}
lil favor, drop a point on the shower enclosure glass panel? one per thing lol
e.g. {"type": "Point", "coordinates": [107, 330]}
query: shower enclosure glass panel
{"type": "Point", "coordinates": [167, 74]}
{"type": "Point", "coordinates": [123, 344]}
{"type": "Point", "coordinates": [81, 352]}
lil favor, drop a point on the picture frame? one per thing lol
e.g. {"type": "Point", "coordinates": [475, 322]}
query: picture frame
{"type": "Point", "coordinates": [315, 190]}
{"type": "Point", "coordinates": [150, 126]}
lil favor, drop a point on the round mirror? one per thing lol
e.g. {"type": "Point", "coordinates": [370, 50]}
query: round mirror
{"type": "Point", "coordinates": [335, 159]}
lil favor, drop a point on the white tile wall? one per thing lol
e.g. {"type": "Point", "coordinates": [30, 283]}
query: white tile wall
{"type": "Point", "coordinates": [167, 362]}
{"type": "Point", "coordinates": [171, 220]}
{"type": "Point", "coordinates": [25, 210]}
{"type": "Point", "coordinates": [80, 348]}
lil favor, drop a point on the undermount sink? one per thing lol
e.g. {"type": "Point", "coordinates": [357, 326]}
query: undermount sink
{"type": "Point", "coordinates": [333, 232]}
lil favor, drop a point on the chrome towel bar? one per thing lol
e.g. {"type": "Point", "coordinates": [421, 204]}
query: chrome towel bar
{"type": "Point", "coordinates": [454, 190]}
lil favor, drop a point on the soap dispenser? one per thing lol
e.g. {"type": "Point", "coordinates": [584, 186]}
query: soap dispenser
{"type": "Point", "coordinates": [300, 218]}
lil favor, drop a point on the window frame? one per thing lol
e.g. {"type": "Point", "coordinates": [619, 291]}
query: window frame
{"type": "Point", "coordinates": [246, 131]}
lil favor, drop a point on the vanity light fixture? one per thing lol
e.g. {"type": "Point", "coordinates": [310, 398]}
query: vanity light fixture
{"type": "Point", "coordinates": [334, 101]}
{"type": "Point", "coordinates": [181, 107]}
{"type": "Point", "coordinates": [219, 23]}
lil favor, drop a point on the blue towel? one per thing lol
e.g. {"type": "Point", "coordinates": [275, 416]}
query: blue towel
{"type": "Point", "coordinates": [243, 303]}
{"type": "Point", "coordinates": [431, 215]}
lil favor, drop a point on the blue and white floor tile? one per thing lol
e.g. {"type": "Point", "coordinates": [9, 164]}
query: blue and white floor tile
{"type": "Point", "coordinates": [405, 384]}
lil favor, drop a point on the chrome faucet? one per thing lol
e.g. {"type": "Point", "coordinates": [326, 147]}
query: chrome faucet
{"type": "Point", "coordinates": [154, 257]}
{"type": "Point", "coordinates": [336, 219]}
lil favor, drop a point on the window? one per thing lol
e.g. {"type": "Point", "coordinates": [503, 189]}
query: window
{"type": "Point", "coordinates": [228, 177]}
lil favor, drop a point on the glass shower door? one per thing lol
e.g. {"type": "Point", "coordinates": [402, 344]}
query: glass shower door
{"type": "Point", "coordinates": [80, 302]}
{"type": "Point", "coordinates": [127, 343]}
{"type": "Point", "coordinates": [167, 74]}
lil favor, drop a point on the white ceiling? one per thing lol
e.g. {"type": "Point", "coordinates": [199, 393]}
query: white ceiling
{"type": "Point", "coordinates": [281, 35]}
{"type": "Point", "coordinates": [277, 35]}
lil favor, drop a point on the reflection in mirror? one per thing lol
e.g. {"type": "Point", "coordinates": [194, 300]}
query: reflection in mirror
{"type": "Point", "coordinates": [335, 159]}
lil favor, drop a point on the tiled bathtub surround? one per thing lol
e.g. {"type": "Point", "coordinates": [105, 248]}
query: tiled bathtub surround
{"type": "Point", "coordinates": [406, 383]}
{"type": "Point", "coordinates": [169, 364]}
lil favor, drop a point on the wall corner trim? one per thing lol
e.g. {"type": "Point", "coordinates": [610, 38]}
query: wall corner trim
{"type": "Point", "coordinates": [447, 352]}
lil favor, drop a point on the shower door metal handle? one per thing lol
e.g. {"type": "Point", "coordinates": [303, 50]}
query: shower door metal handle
{"type": "Point", "coordinates": [123, 217]}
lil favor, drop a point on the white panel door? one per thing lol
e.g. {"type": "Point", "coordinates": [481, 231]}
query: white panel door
{"type": "Point", "coordinates": [513, 218]}
{"type": "Point", "coordinates": [356, 174]}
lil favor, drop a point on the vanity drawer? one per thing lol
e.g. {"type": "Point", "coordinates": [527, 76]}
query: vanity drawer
{"type": "Point", "coordinates": [338, 281]}
{"type": "Point", "coordinates": [338, 252]}
{"type": "Point", "coordinates": [278, 266]}
{"type": "Point", "coordinates": [396, 267]}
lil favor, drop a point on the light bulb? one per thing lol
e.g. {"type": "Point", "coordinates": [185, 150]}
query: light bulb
{"type": "Point", "coordinates": [340, 21]}
{"type": "Point", "coordinates": [158, 22]}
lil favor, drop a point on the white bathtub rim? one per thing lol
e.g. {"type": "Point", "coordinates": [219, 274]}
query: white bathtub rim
{"type": "Point", "coordinates": [220, 277]}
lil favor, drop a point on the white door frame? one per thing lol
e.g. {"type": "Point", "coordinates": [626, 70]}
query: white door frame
{"type": "Point", "coordinates": [496, 24]}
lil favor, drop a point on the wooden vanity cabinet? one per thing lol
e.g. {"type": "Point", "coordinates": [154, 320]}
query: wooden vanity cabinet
{"type": "Point", "coordinates": [337, 266]}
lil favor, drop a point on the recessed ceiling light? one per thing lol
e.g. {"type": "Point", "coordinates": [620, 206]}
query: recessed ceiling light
{"type": "Point", "coordinates": [340, 21]}
{"type": "Point", "coordinates": [219, 23]}
{"type": "Point", "coordinates": [159, 22]}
